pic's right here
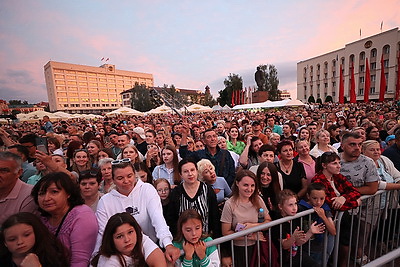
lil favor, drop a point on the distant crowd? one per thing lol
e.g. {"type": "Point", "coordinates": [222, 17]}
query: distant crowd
{"type": "Point", "coordinates": [153, 190]}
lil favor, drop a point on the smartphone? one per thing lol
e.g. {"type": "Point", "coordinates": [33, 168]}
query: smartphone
{"type": "Point", "coordinates": [239, 227]}
{"type": "Point", "coordinates": [41, 144]}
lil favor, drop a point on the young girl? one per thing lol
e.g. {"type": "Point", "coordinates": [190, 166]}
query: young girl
{"type": "Point", "coordinates": [191, 239]}
{"type": "Point", "coordinates": [26, 242]}
{"type": "Point", "coordinates": [288, 234]}
{"type": "Point", "coordinates": [122, 245]}
{"type": "Point", "coordinates": [169, 167]}
{"type": "Point", "coordinates": [163, 189]}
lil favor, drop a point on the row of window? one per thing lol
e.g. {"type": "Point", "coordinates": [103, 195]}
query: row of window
{"type": "Point", "coordinates": [87, 105]}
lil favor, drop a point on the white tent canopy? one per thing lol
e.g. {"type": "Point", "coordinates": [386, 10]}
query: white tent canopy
{"type": "Point", "coordinates": [217, 107]}
{"type": "Point", "coordinates": [199, 108]}
{"type": "Point", "coordinates": [62, 114]}
{"type": "Point", "coordinates": [36, 115]}
{"type": "Point", "coordinates": [160, 110]}
{"type": "Point", "coordinates": [125, 111]}
{"type": "Point", "coordinates": [271, 104]}
{"type": "Point", "coordinates": [226, 108]}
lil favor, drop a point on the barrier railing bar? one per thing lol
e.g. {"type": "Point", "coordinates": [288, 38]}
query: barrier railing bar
{"type": "Point", "coordinates": [383, 260]}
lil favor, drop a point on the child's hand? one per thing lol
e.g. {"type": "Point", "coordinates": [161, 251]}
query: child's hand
{"type": "Point", "coordinates": [30, 260]}
{"type": "Point", "coordinates": [320, 212]}
{"type": "Point", "coordinates": [317, 228]}
{"type": "Point", "coordinates": [258, 235]}
{"type": "Point", "coordinates": [188, 248]}
{"type": "Point", "coordinates": [338, 202]}
{"type": "Point", "coordinates": [200, 249]}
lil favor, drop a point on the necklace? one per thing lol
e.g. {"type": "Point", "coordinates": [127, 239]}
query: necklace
{"type": "Point", "coordinates": [288, 168]}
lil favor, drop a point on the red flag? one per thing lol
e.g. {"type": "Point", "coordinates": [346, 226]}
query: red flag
{"type": "Point", "coordinates": [243, 93]}
{"type": "Point", "coordinates": [367, 84]}
{"type": "Point", "coordinates": [397, 95]}
{"type": "Point", "coordinates": [238, 97]}
{"type": "Point", "coordinates": [382, 87]}
{"type": "Point", "coordinates": [352, 86]}
{"type": "Point", "coordinates": [233, 98]}
{"type": "Point", "coordinates": [341, 86]}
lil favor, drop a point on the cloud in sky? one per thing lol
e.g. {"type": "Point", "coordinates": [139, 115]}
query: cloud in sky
{"type": "Point", "coordinates": [185, 43]}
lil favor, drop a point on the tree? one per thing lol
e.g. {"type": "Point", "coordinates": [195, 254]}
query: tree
{"type": "Point", "coordinates": [232, 83]}
{"type": "Point", "coordinates": [272, 83]}
{"type": "Point", "coordinates": [311, 99]}
{"type": "Point", "coordinates": [17, 102]}
{"type": "Point", "coordinates": [328, 99]}
{"type": "Point", "coordinates": [208, 99]}
{"type": "Point", "coordinates": [319, 101]}
{"type": "Point", "coordinates": [141, 99]}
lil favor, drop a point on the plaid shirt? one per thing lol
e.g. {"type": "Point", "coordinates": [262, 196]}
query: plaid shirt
{"type": "Point", "coordinates": [345, 188]}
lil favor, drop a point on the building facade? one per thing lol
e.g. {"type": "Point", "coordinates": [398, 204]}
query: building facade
{"type": "Point", "coordinates": [86, 89]}
{"type": "Point", "coordinates": [320, 76]}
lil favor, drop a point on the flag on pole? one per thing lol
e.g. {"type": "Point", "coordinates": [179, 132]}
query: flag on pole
{"type": "Point", "coordinates": [107, 59]}
{"type": "Point", "coordinates": [233, 98]}
{"type": "Point", "coordinates": [360, 33]}
{"type": "Point", "coordinates": [341, 86]}
{"type": "Point", "coordinates": [381, 25]}
{"type": "Point", "coordinates": [367, 84]}
{"type": "Point", "coordinates": [397, 95]}
{"type": "Point", "coordinates": [382, 87]}
{"type": "Point", "coordinates": [102, 58]}
{"type": "Point", "coordinates": [352, 85]}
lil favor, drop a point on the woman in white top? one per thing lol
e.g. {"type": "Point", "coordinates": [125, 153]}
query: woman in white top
{"type": "Point", "coordinates": [323, 139]}
{"type": "Point", "coordinates": [141, 200]}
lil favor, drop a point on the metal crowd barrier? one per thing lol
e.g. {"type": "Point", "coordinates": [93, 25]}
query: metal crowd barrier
{"type": "Point", "coordinates": [374, 233]}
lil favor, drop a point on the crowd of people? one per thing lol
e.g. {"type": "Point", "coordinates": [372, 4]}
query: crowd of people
{"type": "Point", "coordinates": [137, 191]}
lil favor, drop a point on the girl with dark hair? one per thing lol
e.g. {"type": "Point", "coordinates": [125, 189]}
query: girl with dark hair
{"type": "Point", "coordinates": [71, 148]}
{"type": "Point", "coordinates": [25, 241]}
{"type": "Point", "coordinates": [105, 153]}
{"type": "Point", "coordinates": [169, 167]}
{"type": "Point", "coordinates": [334, 131]}
{"type": "Point", "coordinates": [340, 193]}
{"type": "Point", "coordinates": [64, 214]}
{"type": "Point", "coordinates": [143, 173]}
{"type": "Point", "coordinates": [191, 239]}
{"type": "Point", "coordinates": [241, 211]}
{"type": "Point", "coordinates": [234, 144]}
{"type": "Point", "coordinates": [269, 184]}
{"type": "Point", "coordinates": [372, 133]}
{"type": "Point", "coordinates": [123, 242]}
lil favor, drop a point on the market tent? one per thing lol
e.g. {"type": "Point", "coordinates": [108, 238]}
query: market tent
{"type": "Point", "coordinates": [124, 111]}
{"type": "Point", "coordinates": [226, 108]}
{"type": "Point", "coordinates": [294, 102]}
{"type": "Point", "coordinates": [199, 108]}
{"type": "Point", "coordinates": [217, 107]}
{"type": "Point", "coordinates": [271, 104]}
{"type": "Point", "coordinates": [160, 110]}
{"type": "Point", "coordinates": [63, 115]}
{"type": "Point", "coordinates": [36, 115]}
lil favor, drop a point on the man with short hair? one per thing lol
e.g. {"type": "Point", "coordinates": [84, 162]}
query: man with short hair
{"type": "Point", "coordinates": [352, 122]}
{"type": "Point", "coordinates": [23, 152]}
{"type": "Point", "coordinates": [257, 132]}
{"type": "Point", "coordinates": [123, 140]}
{"type": "Point", "coordinates": [47, 125]}
{"type": "Point", "coordinates": [29, 141]}
{"type": "Point", "coordinates": [113, 136]}
{"type": "Point", "coordinates": [139, 137]}
{"type": "Point", "coordinates": [15, 195]}
{"type": "Point", "coordinates": [220, 158]}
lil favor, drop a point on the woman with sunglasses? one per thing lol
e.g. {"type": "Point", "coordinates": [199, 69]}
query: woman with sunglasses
{"type": "Point", "coordinates": [141, 200]}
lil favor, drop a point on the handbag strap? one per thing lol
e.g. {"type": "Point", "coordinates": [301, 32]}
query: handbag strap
{"type": "Point", "coordinates": [61, 223]}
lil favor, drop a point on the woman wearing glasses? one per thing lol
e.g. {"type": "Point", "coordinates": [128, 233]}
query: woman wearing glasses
{"type": "Point", "coordinates": [142, 202]}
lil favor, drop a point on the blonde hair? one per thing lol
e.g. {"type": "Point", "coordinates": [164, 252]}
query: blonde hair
{"type": "Point", "coordinates": [317, 134]}
{"type": "Point", "coordinates": [367, 144]}
{"type": "Point", "coordinates": [202, 165]}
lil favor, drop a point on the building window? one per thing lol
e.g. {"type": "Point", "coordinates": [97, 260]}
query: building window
{"type": "Point", "coordinates": [386, 49]}
{"type": "Point", "coordinates": [326, 85]}
{"type": "Point", "coordinates": [333, 84]}
{"type": "Point", "coordinates": [361, 79]}
{"type": "Point", "coordinates": [333, 73]}
{"type": "Point", "coordinates": [373, 52]}
{"type": "Point", "coordinates": [361, 91]}
{"type": "Point", "coordinates": [362, 55]}
{"type": "Point", "coordinates": [373, 78]}
{"type": "Point", "coordinates": [373, 66]}
{"type": "Point", "coordinates": [362, 68]}
{"type": "Point", "coordinates": [333, 93]}
{"type": "Point", "coordinates": [386, 63]}
{"type": "Point", "coordinates": [372, 91]}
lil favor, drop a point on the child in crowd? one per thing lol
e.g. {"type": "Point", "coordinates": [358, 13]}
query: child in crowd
{"type": "Point", "coordinates": [191, 239]}
{"type": "Point", "coordinates": [288, 234]}
{"type": "Point", "coordinates": [316, 200]}
{"type": "Point", "coordinates": [26, 242]}
{"type": "Point", "coordinates": [122, 245]}
{"type": "Point", "coordinates": [163, 188]}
